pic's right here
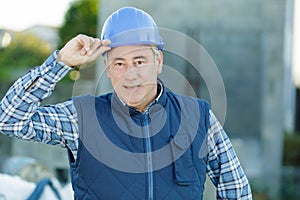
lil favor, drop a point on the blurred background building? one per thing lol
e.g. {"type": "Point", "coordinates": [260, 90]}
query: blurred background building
{"type": "Point", "coordinates": [251, 43]}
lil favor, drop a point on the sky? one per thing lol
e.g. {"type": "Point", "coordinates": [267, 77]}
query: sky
{"type": "Point", "coordinates": [18, 15]}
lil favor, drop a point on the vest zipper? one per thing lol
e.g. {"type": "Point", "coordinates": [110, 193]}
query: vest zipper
{"type": "Point", "coordinates": [149, 155]}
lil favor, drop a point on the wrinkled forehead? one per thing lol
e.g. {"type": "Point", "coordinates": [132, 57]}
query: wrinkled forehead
{"type": "Point", "coordinates": [130, 51]}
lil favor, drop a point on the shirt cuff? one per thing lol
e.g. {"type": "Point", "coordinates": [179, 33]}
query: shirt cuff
{"type": "Point", "coordinates": [53, 71]}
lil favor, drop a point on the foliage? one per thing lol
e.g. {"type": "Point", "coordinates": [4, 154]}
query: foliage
{"type": "Point", "coordinates": [290, 183]}
{"type": "Point", "coordinates": [24, 52]}
{"type": "Point", "coordinates": [291, 155]}
{"type": "Point", "coordinates": [80, 18]}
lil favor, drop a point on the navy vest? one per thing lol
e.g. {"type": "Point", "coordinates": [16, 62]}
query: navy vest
{"type": "Point", "coordinates": [126, 154]}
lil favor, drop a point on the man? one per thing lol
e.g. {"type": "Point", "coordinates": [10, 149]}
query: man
{"type": "Point", "coordinates": [139, 142]}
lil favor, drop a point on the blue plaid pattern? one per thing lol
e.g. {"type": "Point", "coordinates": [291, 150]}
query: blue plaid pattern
{"type": "Point", "coordinates": [22, 117]}
{"type": "Point", "coordinates": [223, 166]}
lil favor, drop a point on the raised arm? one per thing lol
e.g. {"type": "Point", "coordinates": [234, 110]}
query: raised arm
{"type": "Point", "coordinates": [20, 114]}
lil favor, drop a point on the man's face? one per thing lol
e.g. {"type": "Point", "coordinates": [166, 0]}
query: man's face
{"type": "Point", "coordinates": [133, 73]}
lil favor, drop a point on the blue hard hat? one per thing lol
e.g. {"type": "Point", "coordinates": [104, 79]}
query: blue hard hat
{"type": "Point", "coordinates": [131, 26]}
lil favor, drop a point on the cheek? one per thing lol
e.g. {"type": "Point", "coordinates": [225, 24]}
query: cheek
{"type": "Point", "coordinates": [115, 80]}
{"type": "Point", "coordinates": [108, 72]}
{"type": "Point", "coordinates": [151, 73]}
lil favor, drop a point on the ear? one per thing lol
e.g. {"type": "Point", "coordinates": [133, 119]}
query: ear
{"type": "Point", "coordinates": [107, 69]}
{"type": "Point", "coordinates": [160, 60]}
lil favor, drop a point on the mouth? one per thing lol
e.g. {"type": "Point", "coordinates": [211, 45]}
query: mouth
{"type": "Point", "coordinates": [132, 88]}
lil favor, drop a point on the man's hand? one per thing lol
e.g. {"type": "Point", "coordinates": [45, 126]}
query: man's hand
{"type": "Point", "coordinates": [82, 49]}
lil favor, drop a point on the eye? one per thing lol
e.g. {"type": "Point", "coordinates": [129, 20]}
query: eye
{"type": "Point", "coordinates": [140, 62]}
{"type": "Point", "coordinates": [119, 65]}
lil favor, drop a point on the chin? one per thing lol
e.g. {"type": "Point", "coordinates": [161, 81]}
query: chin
{"type": "Point", "coordinates": [133, 99]}
{"type": "Point", "coordinates": [133, 103]}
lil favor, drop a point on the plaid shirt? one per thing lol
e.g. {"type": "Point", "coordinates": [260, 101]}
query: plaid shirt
{"type": "Point", "coordinates": [22, 117]}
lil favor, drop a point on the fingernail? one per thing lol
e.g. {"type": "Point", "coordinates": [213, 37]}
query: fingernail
{"type": "Point", "coordinates": [106, 42]}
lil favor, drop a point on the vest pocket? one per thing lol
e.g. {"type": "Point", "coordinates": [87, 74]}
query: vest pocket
{"type": "Point", "coordinates": [184, 170]}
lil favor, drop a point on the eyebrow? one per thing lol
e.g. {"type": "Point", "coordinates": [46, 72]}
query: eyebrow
{"type": "Point", "coordinates": [134, 58]}
{"type": "Point", "coordinates": [140, 57]}
{"type": "Point", "coordinates": [116, 59]}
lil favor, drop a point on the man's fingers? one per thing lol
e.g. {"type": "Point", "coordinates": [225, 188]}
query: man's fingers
{"type": "Point", "coordinates": [102, 49]}
{"type": "Point", "coordinates": [106, 42]}
{"type": "Point", "coordinates": [88, 49]}
{"type": "Point", "coordinates": [91, 43]}
{"type": "Point", "coordinates": [83, 44]}
{"type": "Point", "coordinates": [95, 45]}
{"type": "Point", "coordinates": [99, 47]}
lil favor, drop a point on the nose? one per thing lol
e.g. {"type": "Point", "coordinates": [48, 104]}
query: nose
{"type": "Point", "coordinates": [131, 73]}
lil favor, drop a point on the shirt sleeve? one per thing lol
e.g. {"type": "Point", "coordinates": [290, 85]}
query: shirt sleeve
{"type": "Point", "coordinates": [223, 166]}
{"type": "Point", "coordinates": [22, 117]}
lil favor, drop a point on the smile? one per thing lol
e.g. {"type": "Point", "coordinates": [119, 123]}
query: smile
{"type": "Point", "coordinates": [132, 87]}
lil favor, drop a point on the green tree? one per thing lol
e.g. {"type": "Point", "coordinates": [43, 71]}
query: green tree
{"type": "Point", "coordinates": [24, 52]}
{"type": "Point", "coordinates": [81, 17]}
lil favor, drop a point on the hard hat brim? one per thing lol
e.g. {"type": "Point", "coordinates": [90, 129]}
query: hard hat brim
{"type": "Point", "coordinates": [141, 36]}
